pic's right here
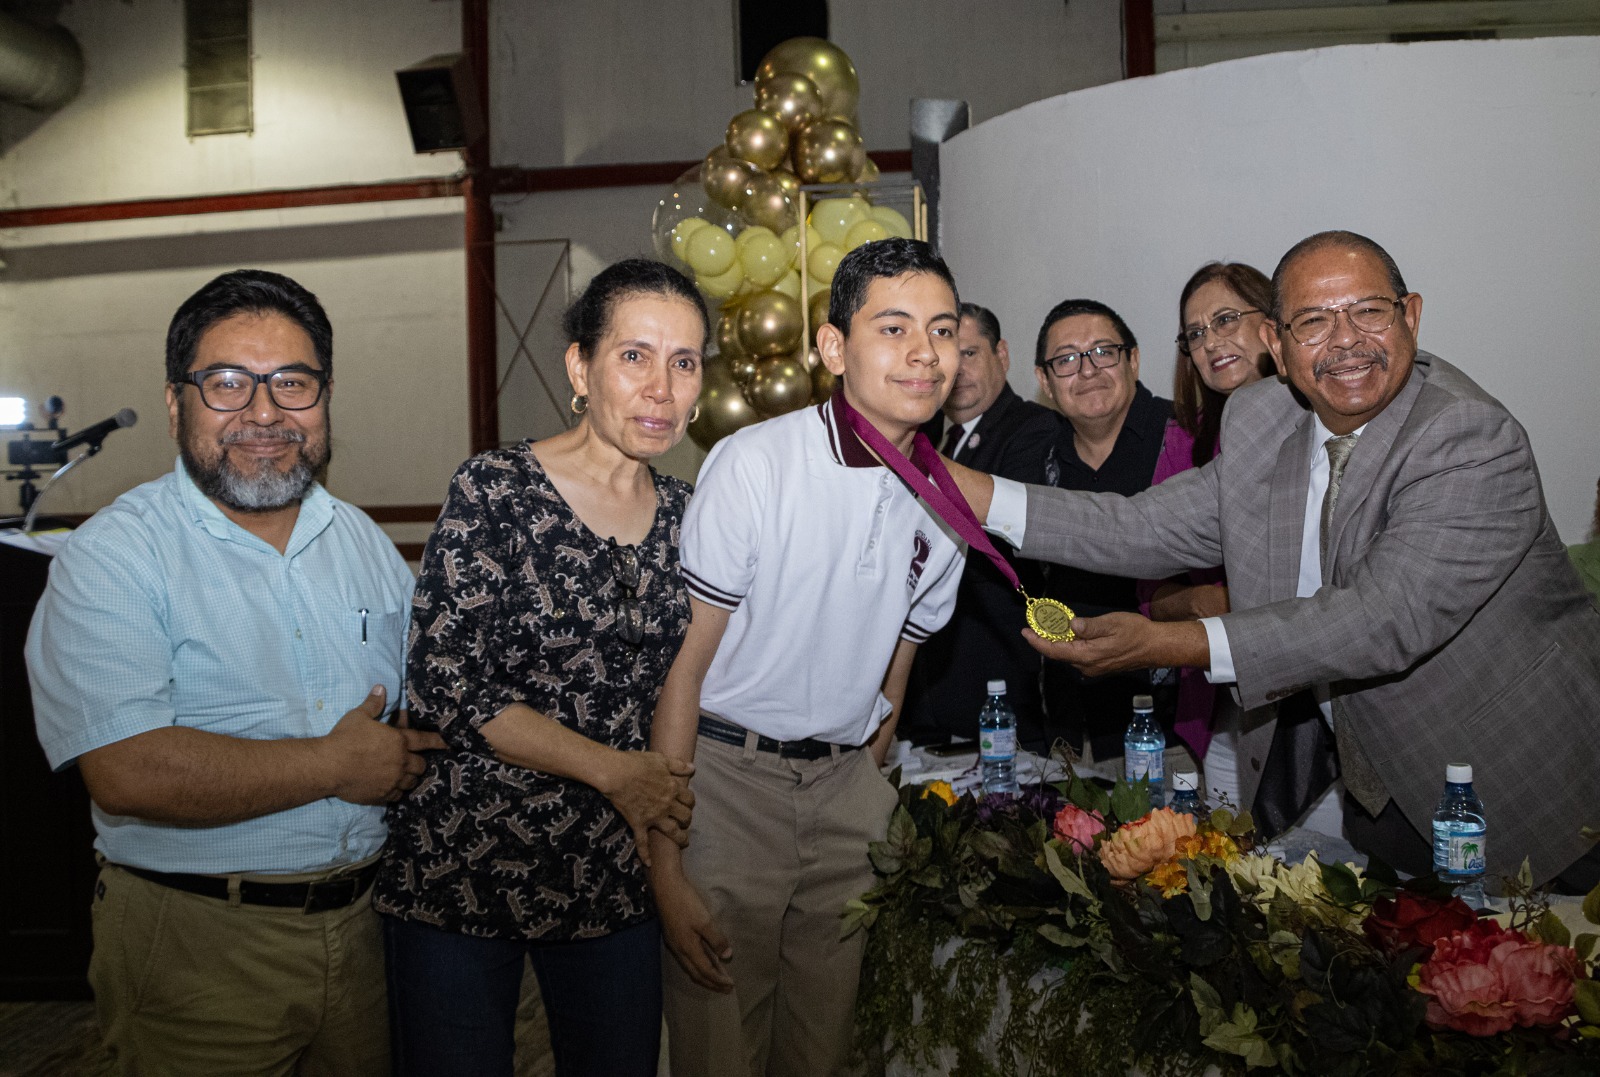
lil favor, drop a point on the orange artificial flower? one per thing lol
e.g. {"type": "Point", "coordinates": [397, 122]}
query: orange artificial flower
{"type": "Point", "coordinates": [940, 791]}
{"type": "Point", "coordinates": [1170, 878]}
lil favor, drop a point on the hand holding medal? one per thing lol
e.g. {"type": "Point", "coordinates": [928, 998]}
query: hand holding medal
{"type": "Point", "coordinates": [1049, 619]}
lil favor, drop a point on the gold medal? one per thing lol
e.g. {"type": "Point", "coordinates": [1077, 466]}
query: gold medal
{"type": "Point", "coordinates": [1050, 619]}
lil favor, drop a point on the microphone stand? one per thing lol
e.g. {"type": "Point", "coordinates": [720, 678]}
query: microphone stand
{"type": "Point", "coordinates": [33, 510]}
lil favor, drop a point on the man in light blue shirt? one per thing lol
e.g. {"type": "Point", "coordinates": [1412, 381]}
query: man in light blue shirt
{"type": "Point", "coordinates": [217, 651]}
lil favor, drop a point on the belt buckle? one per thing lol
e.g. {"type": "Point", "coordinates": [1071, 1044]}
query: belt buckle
{"type": "Point", "coordinates": [316, 903]}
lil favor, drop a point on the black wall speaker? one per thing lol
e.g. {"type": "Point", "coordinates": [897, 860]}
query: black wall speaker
{"type": "Point", "coordinates": [441, 101]}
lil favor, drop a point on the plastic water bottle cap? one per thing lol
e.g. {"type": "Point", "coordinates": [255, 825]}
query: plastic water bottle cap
{"type": "Point", "coordinates": [1458, 773]}
{"type": "Point", "coordinates": [1185, 779]}
{"type": "Point", "coordinates": [1144, 703]}
{"type": "Point", "coordinates": [997, 688]}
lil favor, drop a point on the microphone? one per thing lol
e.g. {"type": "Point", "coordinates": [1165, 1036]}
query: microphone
{"type": "Point", "coordinates": [94, 435]}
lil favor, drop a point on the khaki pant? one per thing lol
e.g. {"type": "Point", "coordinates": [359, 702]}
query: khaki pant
{"type": "Point", "coordinates": [776, 849]}
{"type": "Point", "coordinates": [190, 985]}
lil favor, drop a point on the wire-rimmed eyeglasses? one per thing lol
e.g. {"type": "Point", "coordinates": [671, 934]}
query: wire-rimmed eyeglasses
{"type": "Point", "coordinates": [1373, 314]}
{"type": "Point", "coordinates": [1100, 357]}
{"type": "Point", "coordinates": [1223, 327]}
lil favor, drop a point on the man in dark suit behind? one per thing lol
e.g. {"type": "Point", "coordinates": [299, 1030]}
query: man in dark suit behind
{"type": "Point", "coordinates": [987, 426]}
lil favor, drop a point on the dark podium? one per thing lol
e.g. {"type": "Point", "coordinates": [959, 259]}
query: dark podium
{"type": "Point", "coordinates": [47, 869]}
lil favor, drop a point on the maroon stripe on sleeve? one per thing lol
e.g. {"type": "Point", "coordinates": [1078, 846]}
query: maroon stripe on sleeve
{"type": "Point", "coordinates": [707, 593]}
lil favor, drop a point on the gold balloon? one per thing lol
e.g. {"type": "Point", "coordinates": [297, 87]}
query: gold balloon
{"type": "Point", "coordinates": [823, 381]}
{"type": "Point", "coordinates": [869, 172]}
{"type": "Point", "coordinates": [833, 217]}
{"type": "Point", "coordinates": [724, 177]}
{"type": "Point", "coordinates": [723, 408]}
{"type": "Point", "coordinates": [793, 99]}
{"type": "Point", "coordinates": [781, 384]}
{"type": "Point", "coordinates": [864, 231]}
{"type": "Point", "coordinates": [892, 220]}
{"type": "Point", "coordinates": [744, 368]}
{"type": "Point", "coordinates": [766, 203]}
{"type": "Point", "coordinates": [826, 151]}
{"type": "Point", "coordinates": [709, 251]}
{"type": "Point", "coordinates": [818, 308]}
{"type": "Point", "coordinates": [789, 181]}
{"type": "Point", "coordinates": [769, 324]}
{"type": "Point", "coordinates": [789, 285]}
{"type": "Point", "coordinates": [824, 63]}
{"type": "Point", "coordinates": [758, 137]}
{"type": "Point", "coordinates": [822, 261]}
{"type": "Point", "coordinates": [727, 334]}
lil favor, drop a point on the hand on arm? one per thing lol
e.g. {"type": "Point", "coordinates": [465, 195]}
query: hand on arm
{"type": "Point", "coordinates": [648, 789]}
{"type": "Point", "coordinates": [189, 777]}
{"type": "Point", "coordinates": [1122, 641]}
{"type": "Point", "coordinates": [686, 924]}
{"type": "Point", "coordinates": [894, 690]}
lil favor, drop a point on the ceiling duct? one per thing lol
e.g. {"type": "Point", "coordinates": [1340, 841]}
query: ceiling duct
{"type": "Point", "coordinates": [40, 68]}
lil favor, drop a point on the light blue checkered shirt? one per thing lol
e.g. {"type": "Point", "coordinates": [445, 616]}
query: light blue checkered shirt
{"type": "Point", "coordinates": [161, 611]}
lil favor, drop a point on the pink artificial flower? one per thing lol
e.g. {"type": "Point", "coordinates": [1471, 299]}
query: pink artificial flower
{"type": "Point", "coordinates": [1077, 827]}
{"type": "Point", "coordinates": [1486, 979]}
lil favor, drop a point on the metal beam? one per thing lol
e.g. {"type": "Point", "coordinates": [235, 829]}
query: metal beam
{"type": "Point", "coordinates": [1443, 16]}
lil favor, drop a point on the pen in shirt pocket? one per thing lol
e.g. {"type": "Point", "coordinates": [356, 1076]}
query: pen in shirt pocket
{"type": "Point", "coordinates": [363, 612]}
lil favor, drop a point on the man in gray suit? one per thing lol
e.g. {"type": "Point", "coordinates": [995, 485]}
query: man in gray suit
{"type": "Point", "coordinates": [1409, 576]}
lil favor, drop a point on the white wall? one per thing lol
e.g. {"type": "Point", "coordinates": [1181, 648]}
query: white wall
{"type": "Point", "coordinates": [643, 80]}
{"type": "Point", "coordinates": [1472, 162]}
{"type": "Point", "coordinates": [84, 308]}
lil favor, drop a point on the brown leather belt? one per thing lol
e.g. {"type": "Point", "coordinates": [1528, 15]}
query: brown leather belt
{"type": "Point", "coordinates": [339, 892]}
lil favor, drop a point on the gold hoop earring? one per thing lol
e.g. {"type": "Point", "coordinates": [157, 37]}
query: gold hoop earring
{"type": "Point", "coordinates": [694, 415]}
{"type": "Point", "coordinates": [579, 405]}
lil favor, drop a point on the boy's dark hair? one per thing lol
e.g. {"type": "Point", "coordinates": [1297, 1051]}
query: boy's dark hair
{"type": "Point", "coordinates": [880, 259]}
{"type": "Point", "coordinates": [1071, 308]}
{"type": "Point", "coordinates": [589, 316]}
{"type": "Point", "coordinates": [245, 291]}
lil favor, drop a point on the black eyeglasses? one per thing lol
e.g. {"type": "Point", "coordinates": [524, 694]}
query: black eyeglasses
{"type": "Point", "coordinates": [1223, 325]}
{"type": "Point", "coordinates": [1101, 357]}
{"type": "Point", "coordinates": [292, 388]}
{"type": "Point", "coordinates": [625, 570]}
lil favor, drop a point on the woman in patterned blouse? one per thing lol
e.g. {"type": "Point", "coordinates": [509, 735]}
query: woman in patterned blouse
{"type": "Point", "coordinates": [548, 611]}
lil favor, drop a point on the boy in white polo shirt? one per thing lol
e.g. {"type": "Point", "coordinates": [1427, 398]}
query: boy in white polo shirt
{"type": "Point", "coordinates": [813, 573]}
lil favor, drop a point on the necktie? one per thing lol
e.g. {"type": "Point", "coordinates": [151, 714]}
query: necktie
{"type": "Point", "coordinates": [1360, 778]}
{"type": "Point", "coordinates": [952, 438]}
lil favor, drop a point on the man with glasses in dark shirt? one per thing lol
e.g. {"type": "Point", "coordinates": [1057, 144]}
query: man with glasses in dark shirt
{"type": "Point", "coordinates": [215, 651]}
{"type": "Point", "coordinates": [1087, 363]}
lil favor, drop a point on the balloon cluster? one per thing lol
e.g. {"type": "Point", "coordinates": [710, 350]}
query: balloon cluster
{"type": "Point", "coordinates": [734, 222]}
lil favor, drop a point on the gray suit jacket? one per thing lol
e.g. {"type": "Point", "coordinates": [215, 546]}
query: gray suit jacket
{"type": "Point", "coordinates": [1450, 622]}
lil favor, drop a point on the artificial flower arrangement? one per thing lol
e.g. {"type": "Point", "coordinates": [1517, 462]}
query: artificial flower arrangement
{"type": "Point", "coordinates": [1076, 931]}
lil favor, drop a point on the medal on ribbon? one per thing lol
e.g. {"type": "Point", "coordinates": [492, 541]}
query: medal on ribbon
{"type": "Point", "coordinates": [1049, 619]}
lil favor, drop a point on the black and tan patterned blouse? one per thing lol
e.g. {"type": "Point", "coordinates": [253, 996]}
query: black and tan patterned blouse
{"type": "Point", "coordinates": [518, 602]}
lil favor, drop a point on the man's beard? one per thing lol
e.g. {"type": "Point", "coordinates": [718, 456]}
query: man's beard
{"type": "Point", "coordinates": [267, 490]}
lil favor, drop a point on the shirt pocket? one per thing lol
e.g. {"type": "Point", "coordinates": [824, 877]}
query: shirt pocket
{"type": "Point", "coordinates": [380, 649]}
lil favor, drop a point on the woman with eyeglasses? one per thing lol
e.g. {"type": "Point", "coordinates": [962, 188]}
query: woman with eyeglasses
{"type": "Point", "coordinates": [547, 613]}
{"type": "Point", "coordinates": [1220, 311]}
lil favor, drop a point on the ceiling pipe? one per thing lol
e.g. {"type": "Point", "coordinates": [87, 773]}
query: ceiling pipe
{"type": "Point", "coordinates": [39, 68]}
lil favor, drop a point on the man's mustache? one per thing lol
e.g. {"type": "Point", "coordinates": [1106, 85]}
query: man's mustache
{"type": "Point", "coordinates": [265, 433]}
{"type": "Point", "coordinates": [1380, 356]}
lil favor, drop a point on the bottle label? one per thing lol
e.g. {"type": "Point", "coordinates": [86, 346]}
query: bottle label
{"type": "Point", "coordinates": [1143, 763]}
{"type": "Point", "coordinates": [997, 744]}
{"type": "Point", "coordinates": [1464, 854]}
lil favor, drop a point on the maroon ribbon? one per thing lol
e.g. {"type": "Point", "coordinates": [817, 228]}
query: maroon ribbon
{"type": "Point", "coordinates": [936, 487]}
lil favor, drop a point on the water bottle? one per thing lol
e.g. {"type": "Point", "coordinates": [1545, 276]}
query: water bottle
{"type": "Point", "coordinates": [1186, 792]}
{"type": "Point", "coordinates": [997, 741]}
{"type": "Point", "coordinates": [1460, 836]}
{"type": "Point", "coordinates": [1142, 749]}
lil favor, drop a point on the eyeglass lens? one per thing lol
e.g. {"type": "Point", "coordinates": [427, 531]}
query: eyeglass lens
{"type": "Point", "coordinates": [1371, 315]}
{"type": "Point", "coordinates": [232, 390]}
{"type": "Point", "coordinates": [1223, 326]}
{"type": "Point", "coordinates": [1101, 358]}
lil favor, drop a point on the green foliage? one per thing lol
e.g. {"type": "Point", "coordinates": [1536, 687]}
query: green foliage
{"type": "Point", "coordinates": [978, 903]}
